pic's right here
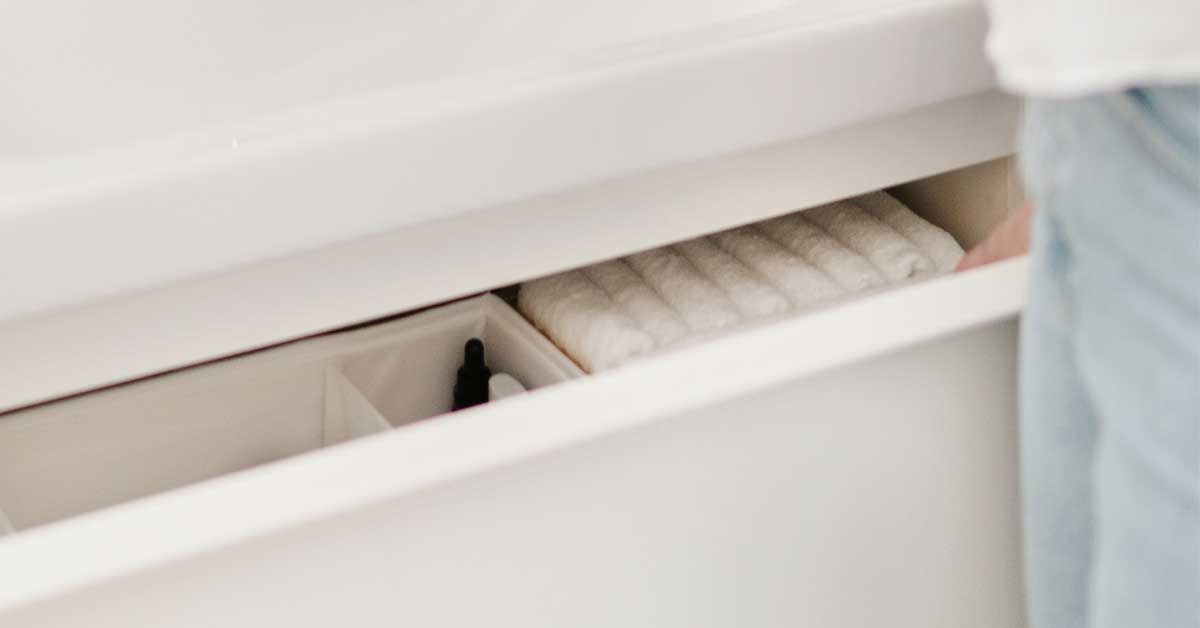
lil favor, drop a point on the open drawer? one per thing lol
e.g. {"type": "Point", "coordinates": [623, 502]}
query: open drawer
{"type": "Point", "coordinates": [853, 466]}
{"type": "Point", "coordinates": [105, 448]}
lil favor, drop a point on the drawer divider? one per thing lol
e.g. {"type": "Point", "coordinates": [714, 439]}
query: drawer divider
{"type": "Point", "coordinates": [348, 414]}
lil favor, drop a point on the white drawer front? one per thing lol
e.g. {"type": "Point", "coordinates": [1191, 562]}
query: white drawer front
{"type": "Point", "coordinates": [877, 494]}
{"type": "Point", "coordinates": [854, 467]}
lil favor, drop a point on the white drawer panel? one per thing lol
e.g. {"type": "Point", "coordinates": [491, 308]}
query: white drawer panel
{"type": "Point", "coordinates": [844, 468]}
{"type": "Point", "coordinates": [881, 493]}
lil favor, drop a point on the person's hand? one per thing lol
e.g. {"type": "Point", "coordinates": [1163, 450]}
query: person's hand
{"type": "Point", "coordinates": [1009, 239]}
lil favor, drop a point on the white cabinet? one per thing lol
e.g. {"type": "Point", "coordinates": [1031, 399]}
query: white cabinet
{"type": "Point", "coordinates": [853, 466]}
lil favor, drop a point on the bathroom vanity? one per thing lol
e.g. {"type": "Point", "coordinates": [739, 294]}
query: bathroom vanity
{"type": "Point", "coordinates": [220, 230]}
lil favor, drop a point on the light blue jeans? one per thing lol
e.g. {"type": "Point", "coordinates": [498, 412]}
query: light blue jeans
{"type": "Point", "coordinates": [1110, 365]}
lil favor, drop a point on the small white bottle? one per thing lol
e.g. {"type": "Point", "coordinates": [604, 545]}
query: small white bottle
{"type": "Point", "coordinates": [503, 385]}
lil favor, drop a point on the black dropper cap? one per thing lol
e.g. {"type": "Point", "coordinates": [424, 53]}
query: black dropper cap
{"type": "Point", "coordinates": [471, 385]}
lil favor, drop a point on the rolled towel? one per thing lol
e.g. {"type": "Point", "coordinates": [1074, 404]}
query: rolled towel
{"type": "Point", "coordinates": [803, 283]}
{"type": "Point", "coordinates": [698, 301]}
{"type": "Point", "coordinates": [819, 248]}
{"type": "Point", "coordinates": [638, 300]}
{"type": "Point", "coordinates": [890, 252]}
{"type": "Point", "coordinates": [753, 297]}
{"type": "Point", "coordinates": [583, 320]}
{"type": "Point", "coordinates": [934, 242]}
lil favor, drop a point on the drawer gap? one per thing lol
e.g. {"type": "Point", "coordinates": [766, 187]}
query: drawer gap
{"type": "Point", "coordinates": [104, 448]}
{"type": "Point", "coordinates": [96, 450]}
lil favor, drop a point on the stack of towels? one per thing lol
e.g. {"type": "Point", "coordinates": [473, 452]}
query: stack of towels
{"type": "Point", "coordinates": [608, 313]}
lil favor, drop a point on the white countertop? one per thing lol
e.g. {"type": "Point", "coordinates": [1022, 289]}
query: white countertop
{"type": "Point", "coordinates": [137, 70]}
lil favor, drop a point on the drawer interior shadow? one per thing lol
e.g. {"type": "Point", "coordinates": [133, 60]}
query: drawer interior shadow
{"type": "Point", "coordinates": [967, 202]}
{"type": "Point", "coordinates": [69, 457]}
{"type": "Point", "coordinates": [104, 448]}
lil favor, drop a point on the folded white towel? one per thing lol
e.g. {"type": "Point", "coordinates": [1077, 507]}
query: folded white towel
{"type": "Point", "coordinates": [890, 252]}
{"type": "Point", "coordinates": [638, 300]}
{"type": "Point", "coordinates": [824, 251]}
{"type": "Point", "coordinates": [803, 283]}
{"type": "Point", "coordinates": [698, 301]}
{"type": "Point", "coordinates": [935, 243]}
{"type": "Point", "coordinates": [581, 318]}
{"type": "Point", "coordinates": [752, 296]}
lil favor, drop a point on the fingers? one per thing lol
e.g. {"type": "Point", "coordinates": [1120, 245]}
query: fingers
{"type": "Point", "coordinates": [1009, 239]}
{"type": "Point", "coordinates": [977, 256]}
